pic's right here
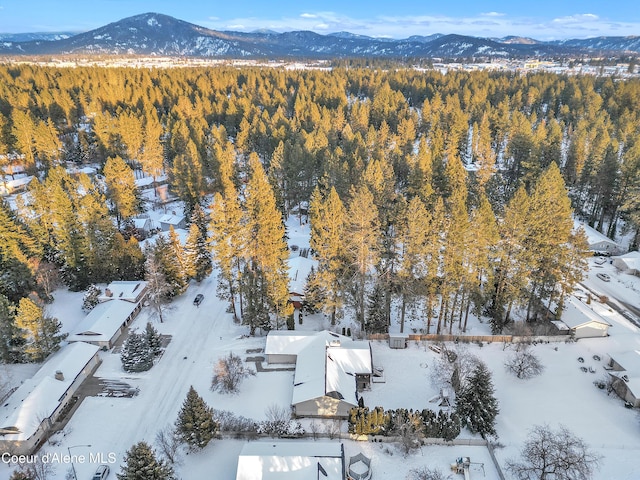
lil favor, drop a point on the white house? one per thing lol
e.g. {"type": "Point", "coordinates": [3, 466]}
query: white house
{"type": "Point", "coordinates": [130, 291]}
{"type": "Point", "coordinates": [105, 323]}
{"type": "Point", "coordinates": [291, 460]}
{"type": "Point", "coordinates": [624, 369]}
{"type": "Point", "coordinates": [579, 319]}
{"type": "Point", "coordinates": [628, 263]}
{"type": "Point", "coordinates": [29, 414]}
{"type": "Point", "coordinates": [330, 370]}
{"type": "Point", "coordinates": [598, 242]}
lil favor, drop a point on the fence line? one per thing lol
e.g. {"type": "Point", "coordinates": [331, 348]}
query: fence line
{"type": "Point", "coordinates": [433, 337]}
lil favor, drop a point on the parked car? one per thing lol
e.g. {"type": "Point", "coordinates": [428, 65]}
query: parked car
{"type": "Point", "coordinates": [604, 277]}
{"type": "Point", "coordinates": [101, 473]}
{"type": "Point", "coordinates": [601, 261]}
{"type": "Point", "coordinates": [198, 300]}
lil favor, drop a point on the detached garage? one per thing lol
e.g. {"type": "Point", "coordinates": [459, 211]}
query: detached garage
{"type": "Point", "coordinates": [582, 322]}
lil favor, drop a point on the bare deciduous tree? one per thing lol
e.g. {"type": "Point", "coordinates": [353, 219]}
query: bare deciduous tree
{"type": "Point", "coordinates": [453, 368]}
{"type": "Point", "coordinates": [228, 374]}
{"type": "Point", "coordinates": [524, 363]}
{"type": "Point", "coordinates": [554, 454]}
{"type": "Point", "coordinates": [169, 444]}
{"type": "Point", "coordinates": [425, 473]}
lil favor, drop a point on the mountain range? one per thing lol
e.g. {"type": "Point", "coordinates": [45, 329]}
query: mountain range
{"type": "Point", "coordinates": [162, 35]}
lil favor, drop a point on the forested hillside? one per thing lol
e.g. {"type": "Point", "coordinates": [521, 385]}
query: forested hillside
{"type": "Point", "coordinates": [439, 194]}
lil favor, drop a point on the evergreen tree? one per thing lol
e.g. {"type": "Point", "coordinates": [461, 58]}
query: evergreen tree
{"type": "Point", "coordinates": [10, 339]}
{"type": "Point", "coordinates": [153, 339]}
{"type": "Point", "coordinates": [376, 319]}
{"type": "Point", "coordinates": [159, 288]}
{"type": "Point", "coordinates": [362, 237]}
{"type": "Point", "coordinates": [195, 425]}
{"type": "Point", "coordinates": [136, 355]}
{"type": "Point", "coordinates": [197, 257]}
{"type": "Point", "coordinates": [90, 298]}
{"type": "Point", "coordinates": [140, 463]}
{"type": "Point", "coordinates": [41, 333]}
{"type": "Point", "coordinates": [266, 251]}
{"type": "Point", "coordinates": [476, 405]}
{"type": "Point", "coordinates": [327, 217]}
{"type": "Point", "coordinates": [121, 189]}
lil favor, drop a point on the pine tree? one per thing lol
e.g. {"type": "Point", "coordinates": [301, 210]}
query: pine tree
{"type": "Point", "coordinates": [195, 425]}
{"type": "Point", "coordinates": [153, 339]}
{"type": "Point", "coordinates": [362, 234]}
{"type": "Point", "coordinates": [90, 298]}
{"type": "Point", "coordinates": [41, 333]}
{"type": "Point", "coordinates": [327, 217]}
{"type": "Point", "coordinates": [197, 257]}
{"type": "Point", "coordinates": [267, 250]}
{"type": "Point", "coordinates": [121, 189]}
{"type": "Point", "coordinates": [376, 319]}
{"type": "Point", "coordinates": [476, 405]}
{"type": "Point", "coordinates": [140, 463]}
{"type": "Point", "coordinates": [10, 339]}
{"type": "Point", "coordinates": [136, 355]}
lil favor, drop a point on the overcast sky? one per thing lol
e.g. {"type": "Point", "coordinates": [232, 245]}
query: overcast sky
{"type": "Point", "coordinates": [542, 19]}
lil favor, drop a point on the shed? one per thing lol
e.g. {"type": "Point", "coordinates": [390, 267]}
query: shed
{"type": "Point", "coordinates": [582, 321]}
{"type": "Point", "coordinates": [32, 410]}
{"type": "Point", "coordinates": [291, 460]}
{"type": "Point", "coordinates": [398, 340]}
{"type": "Point", "coordinates": [172, 220]}
{"type": "Point", "coordinates": [628, 263]}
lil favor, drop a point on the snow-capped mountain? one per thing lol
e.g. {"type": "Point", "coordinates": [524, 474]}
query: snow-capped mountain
{"type": "Point", "coordinates": [162, 35]}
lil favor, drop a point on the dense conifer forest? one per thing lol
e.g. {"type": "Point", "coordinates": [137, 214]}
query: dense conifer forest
{"type": "Point", "coordinates": [440, 195]}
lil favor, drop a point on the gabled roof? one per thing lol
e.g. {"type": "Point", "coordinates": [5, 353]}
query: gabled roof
{"type": "Point", "coordinates": [593, 236]}
{"type": "Point", "coordinates": [294, 460]}
{"type": "Point", "coordinates": [576, 314]}
{"type": "Point", "coordinates": [631, 260]}
{"type": "Point", "coordinates": [326, 363]}
{"type": "Point", "coordinates": [299, 269]}
{"type": "Point", "coordinates": [630, 361]}
{"type": "Point", "coordinates": [103, 322]}
{"type": "Point", "coordinates": [38, 397]}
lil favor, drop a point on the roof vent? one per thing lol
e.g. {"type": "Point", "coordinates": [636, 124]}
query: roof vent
{"type": "Point", "coordinates": [59, 375]}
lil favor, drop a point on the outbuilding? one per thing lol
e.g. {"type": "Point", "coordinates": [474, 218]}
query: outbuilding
{"type": "Point", "coordinates": [291, 460]}
{"type": "Point", "coordinates": [628, 263]}
{"type": "Point", "coordinates": [581, 321]}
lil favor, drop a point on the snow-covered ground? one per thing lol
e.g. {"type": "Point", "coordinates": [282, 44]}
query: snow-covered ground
{"type": "Point", "coordinates": [563, 394]}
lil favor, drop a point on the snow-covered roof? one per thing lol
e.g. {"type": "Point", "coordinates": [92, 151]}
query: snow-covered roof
{"type": "Point", "coordinates": [630, 361]}
{"type": "Point", "coordinates": [299, 269]}
{"type": "Point", "coordinates": [129, 291]}
{"type": "Point", "coordinates": [103, 322]}
{"type": "Point", "coordinates": [631, 260]}
{"type": "Point", "coordinates": [291, 342]}
{"type": "Point", "coordinates": [326, 363]}
{"type": "Point", "coordinates": [293, 460]}
{"type": "Point", "coordinates": [15, 184]}
{"type": "Point", "coordinates": [577, 314]}
{"type": "Point", "coordinates": [170, 219]}
{"type": "Point", "coordinates": [141, 223]}
{"type": "Point", "coordinates": [37, 398]}
{"type": "Point", "coordinates": [593, 236]}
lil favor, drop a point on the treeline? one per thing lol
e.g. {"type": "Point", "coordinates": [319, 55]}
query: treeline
{"type": "Point", "coordinates": [452, 189]}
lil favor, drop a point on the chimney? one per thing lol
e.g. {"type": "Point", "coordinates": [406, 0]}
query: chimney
{"type": "Point", "coordinates": [108, 292]}
{"type": "Point", "coordinates": [59, 375]}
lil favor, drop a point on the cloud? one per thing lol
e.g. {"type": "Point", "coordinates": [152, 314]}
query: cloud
{"type": "Point", "coordinates": [487, 24]}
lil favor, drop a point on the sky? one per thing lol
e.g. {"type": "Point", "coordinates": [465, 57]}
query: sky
{"type": "Point", "coordinates": [542, 19]}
